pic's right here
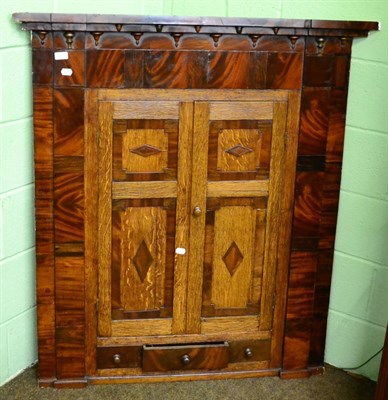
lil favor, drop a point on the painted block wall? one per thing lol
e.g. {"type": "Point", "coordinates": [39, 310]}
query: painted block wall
{"type": "Point", "coordinates": [359, 300]}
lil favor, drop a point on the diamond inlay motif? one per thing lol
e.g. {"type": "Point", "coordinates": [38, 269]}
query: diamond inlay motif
{"type": "Point", "coordinates": [145, 150]}
{"type": "Point", "coordinates": [142, 260]}
{"type": "Point", "coordinates": [232, 258]}
{"type": "Point", "coordinates": [239, 150]}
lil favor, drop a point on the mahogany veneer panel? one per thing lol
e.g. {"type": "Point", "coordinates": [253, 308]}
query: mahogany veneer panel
{"type": "Point", "coordinates": [301, 68]}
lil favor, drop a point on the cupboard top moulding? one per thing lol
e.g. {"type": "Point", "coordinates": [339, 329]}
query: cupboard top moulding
{"type": "Point", "coordinates": [187, 180]}
{"type": "Point", "coordinates": [130, 23]}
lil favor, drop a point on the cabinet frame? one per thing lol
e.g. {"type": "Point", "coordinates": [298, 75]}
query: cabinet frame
{"type": "Point", "coordinates": [107, 52]}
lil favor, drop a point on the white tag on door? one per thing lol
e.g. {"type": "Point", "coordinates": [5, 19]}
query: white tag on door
{"type": "Point", "coordinates": [180, 250]}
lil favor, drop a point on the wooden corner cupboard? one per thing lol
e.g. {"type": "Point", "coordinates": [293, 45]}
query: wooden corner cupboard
{"type": "Point", "coordinates": [187, 181]}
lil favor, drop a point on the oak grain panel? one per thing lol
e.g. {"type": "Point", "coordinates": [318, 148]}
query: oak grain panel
{"type": "Point", "coordinates": [157, 326]}
{"type": "Point", "coordinates": [232, 261]}
{"type": "Point", "coordinates": [183, 215]}
{"type": "Point", "coordinates": [105, 113]}
{"type": "Point", "coordinates": [244, 325]}
{"type": "Point", "coordinates": [240, 111]}
{"type": "Point", "coordinates": [146, 110]}
{"type": "Point", "coordinates": [237, 188]}
{"type": "Point", "coordinates": [284, 248]}
{"type": "Point", "coordinates": [91, 227]}
{"type": "Point", "coordinates": [153, 141]}
{"type": "Point", "coordinates": [143, 251]}
{"type": "Point", "coordinates": [144, 190]}
{"type": "Point", "coordinates": [198, 199]}
{"type": "Point", "coordinates": [273, 215]}
{"type": "Point", "coordinates": [189, 95]}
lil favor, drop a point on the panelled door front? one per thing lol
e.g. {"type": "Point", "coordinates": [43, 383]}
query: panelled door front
{"type": "Point", "coordinates": [142, 216]}
{"type": "Point", "coordinates": [194, 200]}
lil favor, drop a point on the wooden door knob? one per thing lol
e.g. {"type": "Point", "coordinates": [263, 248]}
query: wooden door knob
{"type": "Point", "coordinates": [197, 211]}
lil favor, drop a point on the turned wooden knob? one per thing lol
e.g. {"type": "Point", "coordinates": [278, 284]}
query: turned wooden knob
{"type": "Point", "coordinates": [197, 211]}
{"type": "Point", "coordinates": [117, 359]}
{"type": "Point", "coordinates": [185, 359]}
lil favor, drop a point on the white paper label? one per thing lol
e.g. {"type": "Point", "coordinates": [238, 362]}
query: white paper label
{"type": "Point", "coordinates": [66, 71]}
{"type": "Point", "coordinates": [61, 55]}
{"type": "Point", "coordinates": [180, 250]}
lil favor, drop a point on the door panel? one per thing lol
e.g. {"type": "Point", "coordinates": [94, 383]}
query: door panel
{"type": "Point", "coordinates": [140, 217]}
{"type": "Point", "coordinates": [234, 248]}
{"type": "Point", "coordinates": [189, 214]}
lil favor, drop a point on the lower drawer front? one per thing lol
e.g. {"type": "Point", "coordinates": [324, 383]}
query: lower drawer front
{"type": "Point", "coordinates": [173, 358]}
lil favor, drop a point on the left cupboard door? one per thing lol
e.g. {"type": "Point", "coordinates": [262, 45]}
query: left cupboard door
{"type": "Point", "coordinates": [142, 228]}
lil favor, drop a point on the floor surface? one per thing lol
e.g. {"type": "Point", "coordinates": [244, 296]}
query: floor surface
{"type": "Point", "coordinates": [333, 385]}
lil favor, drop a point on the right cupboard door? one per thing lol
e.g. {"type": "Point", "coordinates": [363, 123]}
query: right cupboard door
{"type": "Point", "coordinates": [242, 187]}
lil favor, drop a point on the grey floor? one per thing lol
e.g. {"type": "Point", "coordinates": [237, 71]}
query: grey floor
{"type": "Point", "coordinates": [333, 385]}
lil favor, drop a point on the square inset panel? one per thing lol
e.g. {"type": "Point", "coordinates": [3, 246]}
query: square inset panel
{"type": "Point", "coordinates": [239, 149]}
{"type": "Point", "coordinates": [144, 150]}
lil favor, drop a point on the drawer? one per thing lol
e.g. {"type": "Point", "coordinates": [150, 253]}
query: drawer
{"type": "Point", "coordinates": [208, 356]}
{"type": "Point", "coordinates": [250, 350]}
{"type": "Point", "coordinates": [118, 357]}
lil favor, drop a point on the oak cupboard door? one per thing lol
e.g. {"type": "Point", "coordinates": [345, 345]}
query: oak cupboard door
{"type": "Point", "coordinates": [240, 176]}
{"type": "Point", "coordinates": [192, 193]}
{"type": "Point", "coordinates": [142, 216]}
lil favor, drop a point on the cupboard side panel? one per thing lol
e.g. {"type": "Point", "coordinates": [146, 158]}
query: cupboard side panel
{"type": "Point", "coordinates": [45, 273]}
{"type": "Point", "coordinates": [70, 317]}
{"type": "Point", "coordinates": [323, 108]}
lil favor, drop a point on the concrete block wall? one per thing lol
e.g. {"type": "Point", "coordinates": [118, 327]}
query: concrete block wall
{"type": "Point", "coordinates": [359, 301]}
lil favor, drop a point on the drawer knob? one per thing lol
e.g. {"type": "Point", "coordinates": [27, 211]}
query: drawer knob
{"type": "Point", "coordinates": [197, 211]}
{"type": "Point", "coordinates": [185, 359]}
{"type": "Point", "coordinates": [117, 359]}
{"type": "Point", "coordinates": [248, 353]}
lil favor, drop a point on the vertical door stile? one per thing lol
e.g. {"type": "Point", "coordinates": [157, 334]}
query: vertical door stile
{"type": "Point", "coordinates": [91, 215]}
{"type": "Point", "coordinates": [271, 249]}
{"type": "Point", "coordinates": [181, 261]}
{"type": "Point", "coordinates": [105, 218]}
{"type": "Point", "coordinates": [284, 249]}
{"type": "Point", "coordinates": [197, 227]}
